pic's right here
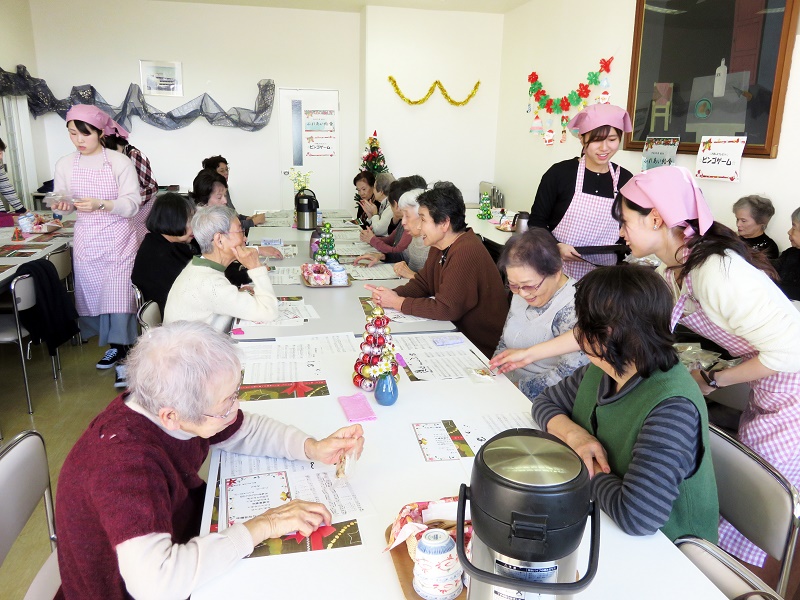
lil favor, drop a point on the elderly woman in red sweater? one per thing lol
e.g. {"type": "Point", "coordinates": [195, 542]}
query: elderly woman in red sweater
{"type": "Point", "coordinates": [129, 496]}
{"type": "Point", "coordinates": [459, 281]}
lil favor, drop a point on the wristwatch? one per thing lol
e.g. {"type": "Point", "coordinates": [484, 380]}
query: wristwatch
{"type": "Point", "coordinates": [709, 378]}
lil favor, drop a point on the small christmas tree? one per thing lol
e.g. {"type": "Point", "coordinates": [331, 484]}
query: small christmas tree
{"type": "Point", "coordinates": [377, 352]}
{"type": "Point", "coordinates": [327, 245]}
{"type": "Point", "coordinates": [486, 207]}
{"type": "Point", "coordinates": [372, 159]}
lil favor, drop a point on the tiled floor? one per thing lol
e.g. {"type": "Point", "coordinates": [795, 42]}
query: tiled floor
{"type": "Point", "coordinates": [62, 410]}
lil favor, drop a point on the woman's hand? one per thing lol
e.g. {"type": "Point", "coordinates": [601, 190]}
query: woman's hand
{"type": "Point", "coordinates": [270, 251]}
{"type": "Point", "coordinates": [568, 253]}
{"type": "Point", "coordinates": [91, 205]}
{"type": "Point", "coordinates": [384, 297]}
{"type": "Point", "coordinates": [257, 219]}
{"type": "Point", "coordinates": [513, 358]}
{"type": "Point", "coordinates": [366, 235]}
{"type": "Point", "coordinates": [371, 259]}
{"type": "Point", "coordinates": [582, 442]}
{"type": "Point", "coordinates": [296, 515]}
{"type": "Point", "coordinates": [368, 206]}
{"type": "Point", "coordinates": [62, 207]}
{"type": "Point", "coordinates": [248, 256]}
{"type": "Point", "coordinates": [340, 442]}
{"type": "Point", "coordinates": [705, 389]}
{"type": "Point", "coordinates": [401, 269]}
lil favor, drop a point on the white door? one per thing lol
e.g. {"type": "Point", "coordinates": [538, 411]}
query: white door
{"type": "Point", "coordinates": [309, 141]}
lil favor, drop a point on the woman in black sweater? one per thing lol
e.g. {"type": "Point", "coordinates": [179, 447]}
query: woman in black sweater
{"type": "Point", "coordinates": [165, 250]}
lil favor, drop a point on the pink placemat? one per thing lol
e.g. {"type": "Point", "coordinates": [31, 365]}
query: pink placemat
{"type": "Point", "coordinates": [356, 408]}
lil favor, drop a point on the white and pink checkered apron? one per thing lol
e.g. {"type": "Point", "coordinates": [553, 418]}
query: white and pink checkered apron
{"type": "Point", "coordinates": [770, 424]}
{"type": "Point", "coordinates": [588, 222]}
{"type": "Point", "coordinates": [104, 247]}
{"type": "Point", "coordinates": [139, 220]}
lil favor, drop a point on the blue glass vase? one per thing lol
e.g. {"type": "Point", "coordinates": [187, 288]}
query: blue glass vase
{"type": "Point", "coordinates": [386, 390]}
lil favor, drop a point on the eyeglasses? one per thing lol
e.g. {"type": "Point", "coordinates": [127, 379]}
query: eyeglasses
{"type": "Point", "coordinates": [230, 402]}
{"type": "Point", "coordinates": [528, 289]}
{"type": "Point", "coordinates": [240, 231]}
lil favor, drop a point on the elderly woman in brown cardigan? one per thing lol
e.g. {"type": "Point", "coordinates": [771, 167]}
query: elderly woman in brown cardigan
{"type": "Point", "coordinates": [459, 281]}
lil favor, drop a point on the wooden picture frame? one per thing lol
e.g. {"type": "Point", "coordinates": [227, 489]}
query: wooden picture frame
{"type": "Point", "coordinates": [678, 86]}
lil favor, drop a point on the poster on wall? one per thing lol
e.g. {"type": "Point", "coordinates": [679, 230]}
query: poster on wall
{"type": "Point", "coordinates": [161, 77]}
{"type": "Point", "coordinates": [659, 152]}
{"type": "Point", "coordinates": [719, 157]}
{"type": "Point", "coordinates": [319, 131]}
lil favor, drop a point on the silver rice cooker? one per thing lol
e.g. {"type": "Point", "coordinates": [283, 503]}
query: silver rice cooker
{"type": "Point", "coordinates": [530, 497]}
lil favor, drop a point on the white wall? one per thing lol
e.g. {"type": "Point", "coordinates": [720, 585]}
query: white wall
{"type": "Point", "coordinates": [17, 48]}
{"type": "Point", "coordinates": [434, 139]}
{"type": "Point", "coordinates": [225, 51]}
{"type": "Point", "coordinates": [562, 61]}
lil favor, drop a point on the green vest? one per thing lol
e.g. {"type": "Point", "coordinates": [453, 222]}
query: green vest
{"type": "Point", "coordinates": [696, 509]}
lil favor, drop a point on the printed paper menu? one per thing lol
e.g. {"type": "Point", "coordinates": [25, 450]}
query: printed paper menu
{"type": "Point", "coordinates": [253, 485]}
{"type": "Point", "coordinates": [454, 440]}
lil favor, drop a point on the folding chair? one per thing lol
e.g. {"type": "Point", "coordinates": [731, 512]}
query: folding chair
{"type": "Point", "coordinates": [25, 479]}
{"type": "Point", "coordinates": [760, 502]}
{"type": "Point", "coordinates": [149, 315]}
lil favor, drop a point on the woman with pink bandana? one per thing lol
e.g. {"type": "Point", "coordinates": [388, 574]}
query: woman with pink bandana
{"type": "Point", "coordinates": [574, 198]}
{"type": "Point", "coordinates": [105, 191]}
{"type": "Point", "coordinates": [723, 291]}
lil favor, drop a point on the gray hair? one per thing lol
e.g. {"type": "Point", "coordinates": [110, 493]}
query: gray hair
{"type": "Point", "coordinates": [177, 365]}
{"type": "Point", "coordinates": [409, 199]}
{"type": "Point", "coordinates": [382, 182]}
{"type": "Point", "coordinates": [209, 221]}
{"type": "Point", "coordinates": [796, 216]}
{"type": "Point", "coordinates": [760, 208]}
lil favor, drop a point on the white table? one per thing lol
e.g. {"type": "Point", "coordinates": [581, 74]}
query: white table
{"type": "Point", "coordinates": [392, 473]}
{"type": "Point", "coordinates": [7, 276]}
{"type": "Point", "coordinates": [485, 229]}
{"type": "Point", "coordinates": [339, 308]}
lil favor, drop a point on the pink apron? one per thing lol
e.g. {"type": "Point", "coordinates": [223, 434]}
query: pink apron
{"type": "Point", "coordinates": [588, 222]}
{"type": "Point", "coordinates": [770, 424]}
{"type": "Point", "coordinates": [104, 246]}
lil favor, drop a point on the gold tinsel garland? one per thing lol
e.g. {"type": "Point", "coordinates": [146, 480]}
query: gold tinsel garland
{"type": "Point", "coordinates": [434, 85]}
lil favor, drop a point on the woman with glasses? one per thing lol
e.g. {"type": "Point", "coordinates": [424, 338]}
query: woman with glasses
{"type": "Point", "coordinates": [130, 498]}
{"type": "Point", "coordinates": [202, 293]}
{"type": "Point", "coordinates": [543, 307]}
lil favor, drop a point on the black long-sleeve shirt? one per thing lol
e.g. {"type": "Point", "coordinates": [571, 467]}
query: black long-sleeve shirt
{"type": "Point", "coordinates": [557, 188]}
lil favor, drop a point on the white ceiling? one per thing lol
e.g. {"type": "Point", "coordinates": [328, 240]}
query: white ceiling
{"type": "Point", "coordinates": [480, 6]}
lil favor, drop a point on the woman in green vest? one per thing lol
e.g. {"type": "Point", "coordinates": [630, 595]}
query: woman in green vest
{"type": "Point", "coordinates": [635, 415]}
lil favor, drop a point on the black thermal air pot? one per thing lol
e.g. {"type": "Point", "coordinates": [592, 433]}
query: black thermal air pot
{"type": "Point", "coordinates": [530, 496]}
{"type": "Point", "coordinates": [306, 206]}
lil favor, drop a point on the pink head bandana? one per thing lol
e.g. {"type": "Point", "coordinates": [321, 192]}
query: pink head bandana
{"type": "Point", "coordinates": [89, 113]}
{"type": "Point", "coordinates": [673, 192]}
{"type": "Point", "coordinates": [597, 115]}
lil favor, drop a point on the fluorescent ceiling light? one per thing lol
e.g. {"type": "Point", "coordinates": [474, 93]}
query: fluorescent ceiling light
{"type": "Point", "coordinates": [662, 10]}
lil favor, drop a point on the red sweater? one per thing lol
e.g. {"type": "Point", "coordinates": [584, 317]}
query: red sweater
{"type": "Point", "coordinates": [467, 290]}
{"type": "Point", "coordinates": [124, 478]}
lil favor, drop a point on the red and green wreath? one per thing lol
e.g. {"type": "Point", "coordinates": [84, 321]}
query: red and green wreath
{"type": "Point", "coordinates": [556, 105]}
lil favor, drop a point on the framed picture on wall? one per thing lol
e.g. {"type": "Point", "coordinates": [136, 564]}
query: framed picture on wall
{"type": "Point", "coordinates": [716, 68]}
{"type": "Point", "coordinates": [161, 78]}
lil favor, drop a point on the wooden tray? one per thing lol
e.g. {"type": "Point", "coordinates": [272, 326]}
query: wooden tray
{"type": "Point", "coordinates": [308, 285]}
{"type": "Point", "coordinates": [404, 567]}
